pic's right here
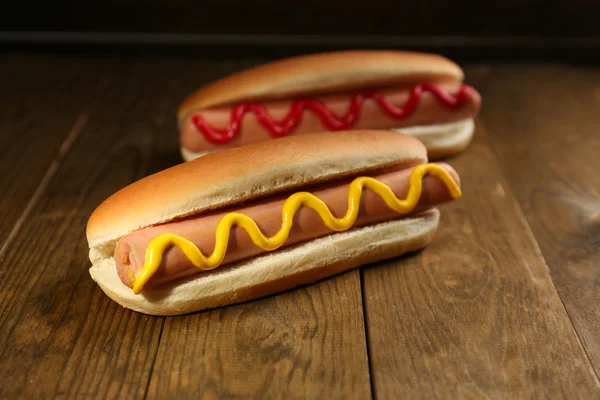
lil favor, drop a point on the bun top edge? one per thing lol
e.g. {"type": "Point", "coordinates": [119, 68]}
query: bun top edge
{"type": "Point", "coordinates": [322, 73]}
{"type": "Point", "coordinates": [239, 174]}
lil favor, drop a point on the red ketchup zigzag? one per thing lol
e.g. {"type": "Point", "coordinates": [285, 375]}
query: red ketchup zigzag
{"type": "Point", "coordinates": [330, 120]}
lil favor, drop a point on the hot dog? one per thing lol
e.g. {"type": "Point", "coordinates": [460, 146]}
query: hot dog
{"type": "Point", "coordinates": [272, 216]}
{"type": "Point", "coordinates": [419, 94]}
{"type": "Point", "coordinates": [131, 249]}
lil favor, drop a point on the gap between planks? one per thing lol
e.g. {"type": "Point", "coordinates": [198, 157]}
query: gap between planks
{"type": "Point", "coordinates": [366, 328]}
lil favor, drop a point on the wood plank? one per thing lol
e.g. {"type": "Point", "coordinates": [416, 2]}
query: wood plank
{"type": "Point", "coordinates": [306, 343]}
{"type": "Point", "coordinates": [37, 114]}
{"type": "Point", "coordinates": [62, 337]}
{"type": "Point", "coordinates": [548, 143]}
{"type": "Point", "coordinates": [476, 314]}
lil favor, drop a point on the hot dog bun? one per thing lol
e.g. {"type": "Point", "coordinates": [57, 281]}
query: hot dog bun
{"type": "Point", "coordinates": [242, 173]}
{"type": "Point", "coordinates": [443, 140]}
{"type": "Point", "coordinates": [317, 74]}
{"type": "Point", "coordinates": [248, 173]}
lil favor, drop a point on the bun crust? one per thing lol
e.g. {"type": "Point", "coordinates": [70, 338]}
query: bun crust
{"type": "Point", "coordinates": [231, 176]}
{"type": "Point", "coordinates": [274, 272]}
{"type": "Point", "coordinates": [317, 74]}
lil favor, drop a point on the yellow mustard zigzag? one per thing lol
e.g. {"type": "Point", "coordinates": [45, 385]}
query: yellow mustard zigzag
{"type": "Point", "coordinates": [159, 244]}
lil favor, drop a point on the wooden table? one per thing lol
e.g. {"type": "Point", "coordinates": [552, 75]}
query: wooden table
{"type": "Point", "coordinates": [505, 303]}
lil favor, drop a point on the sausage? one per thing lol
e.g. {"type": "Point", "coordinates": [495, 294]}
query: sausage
{"type": "Point", "coordinates": [428, 111]}
{"type": "Point", "coordinates": [130, 250]}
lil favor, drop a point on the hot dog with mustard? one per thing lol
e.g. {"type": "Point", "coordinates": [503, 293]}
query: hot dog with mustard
{"type": "Point", "coordinates": [266, 217]}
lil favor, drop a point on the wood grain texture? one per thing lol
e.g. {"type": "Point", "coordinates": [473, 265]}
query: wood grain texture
{"type": "Point", "coordinates": [306, 343]}
{"type": "Point", "coordinates": [37, 113]}
{"type": "Point", "coordinates": [62, 337]}
{"type": "Point", "coordinates": [547, 139]}
{"type": "Point", "coordinates": [475, 315]}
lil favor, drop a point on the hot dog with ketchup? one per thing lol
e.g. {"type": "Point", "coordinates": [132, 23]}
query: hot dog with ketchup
{"type": "Point", "coordinates": [419, 94]}
{"type": "Point", "coordinates": [262, 218]}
